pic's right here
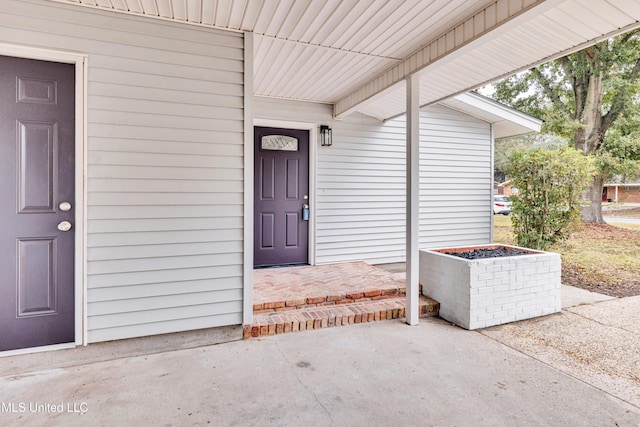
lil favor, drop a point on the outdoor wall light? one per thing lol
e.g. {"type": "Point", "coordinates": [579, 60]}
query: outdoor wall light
{"type": "Point", "coordinates": [325, 136]}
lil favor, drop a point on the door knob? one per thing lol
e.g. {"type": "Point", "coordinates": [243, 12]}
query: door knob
{"type": "Point", "coordinates": [64, 226]}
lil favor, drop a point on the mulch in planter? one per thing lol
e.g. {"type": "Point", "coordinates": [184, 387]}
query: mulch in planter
{"type": "Point", "coordinates": [488, 253]}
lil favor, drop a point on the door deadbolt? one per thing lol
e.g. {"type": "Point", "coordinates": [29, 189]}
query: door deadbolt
{"type": "Point", "coordinates": [64, 226]}
{"type": "Point", "coordinates": [64, 206]}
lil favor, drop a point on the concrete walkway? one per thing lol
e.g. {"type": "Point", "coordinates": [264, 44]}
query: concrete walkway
{"type": "Point", "coordinates": [379, 374]}
{"type": "Point", "coordinates": [596, 343]}
{"type": "Point", "coordinates": [572, 296]}
{"type": "Point", "coordinates": [621, 219]}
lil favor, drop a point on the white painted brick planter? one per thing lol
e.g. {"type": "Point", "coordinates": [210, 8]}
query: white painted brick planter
{"type": "Point", "coordinates": [486, 292]}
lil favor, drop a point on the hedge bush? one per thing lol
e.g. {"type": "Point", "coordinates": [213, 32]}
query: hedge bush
{"type": "Point", "coordinates": [547, 205]}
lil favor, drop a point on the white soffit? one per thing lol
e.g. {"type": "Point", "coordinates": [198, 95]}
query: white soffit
{"type": "Point", "coordinates": [314, 50]}
{"type": "Point", "coordinates": [526, 40]}
{"type": "Point", "coordinates": [345, 52]}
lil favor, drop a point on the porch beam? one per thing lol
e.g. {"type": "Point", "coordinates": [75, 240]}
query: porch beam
{"type": "Point", "coordinates": [454, 42]}
{"type": "Point", "coordinates": [413, 198]}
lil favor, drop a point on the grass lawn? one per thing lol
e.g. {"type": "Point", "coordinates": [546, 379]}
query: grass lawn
{"type": "Point", "coordinates": [600, 258]}
{"type": "Point", "coordinates": [635, 227]}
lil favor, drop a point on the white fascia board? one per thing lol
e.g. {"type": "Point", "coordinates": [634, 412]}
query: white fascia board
{"type": "Point", "coordinates": [499, 111]}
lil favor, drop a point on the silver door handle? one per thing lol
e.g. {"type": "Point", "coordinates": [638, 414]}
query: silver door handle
{"type": "Point", "coordinates": [64, 226]}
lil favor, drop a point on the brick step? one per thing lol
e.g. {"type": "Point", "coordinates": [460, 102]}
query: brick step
{"type": "Point", "coordinates": [296, 303]}
{"type": "Point", "coordinates": [316, 317]}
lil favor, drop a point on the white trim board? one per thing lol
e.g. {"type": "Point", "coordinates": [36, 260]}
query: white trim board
{"type": "Point", "coordinates": [247, 296]}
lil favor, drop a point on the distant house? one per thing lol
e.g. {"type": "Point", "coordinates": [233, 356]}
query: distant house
{"type": "Point", "coordinates": [506, 188]}
{"type": "Point", "coordinates": [621, 192]}
{"type": "Point", "coordinates": [152, 153]}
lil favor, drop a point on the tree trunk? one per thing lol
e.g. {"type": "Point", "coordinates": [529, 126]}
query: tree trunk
{"type": "Point", "coordinates": [592, 212]}
{"type": "Point", "coordinates": [588, 139]}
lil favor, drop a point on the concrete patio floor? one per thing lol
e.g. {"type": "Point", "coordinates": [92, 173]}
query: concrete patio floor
{"type": "Point", "coordinates": [378, 374]}
{"type": "Point", "coordinates": [580, 367]}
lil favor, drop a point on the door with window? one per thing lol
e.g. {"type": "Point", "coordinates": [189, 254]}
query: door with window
{"type": "Point", "coordinates": [37, 176]}
{"type": "Point", "coordinates": [281, 197]}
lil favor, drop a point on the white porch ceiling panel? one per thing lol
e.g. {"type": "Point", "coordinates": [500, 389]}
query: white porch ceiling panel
{"type": "Point", "coordinates": [355, 54]}
{"type": "Point", "coordinates": [536, 36]}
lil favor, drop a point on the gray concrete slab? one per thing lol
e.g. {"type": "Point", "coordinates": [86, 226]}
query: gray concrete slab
{"type": "Point", "coordinates": [376, 374]}
{"type": "Point", "coordinates": [120, 349]}
{"type": "Point", "coordinates": [623, 313]}
{"type": "Point", "coordinates": [572, 296]}
{"type": "Point", "coordinates": [598, 344]}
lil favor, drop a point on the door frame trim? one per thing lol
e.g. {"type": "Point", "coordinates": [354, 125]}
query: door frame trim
{"type": "Point", "coordinates": [80, 278]}
{"type": "Point", "coordinates": [313, 131]}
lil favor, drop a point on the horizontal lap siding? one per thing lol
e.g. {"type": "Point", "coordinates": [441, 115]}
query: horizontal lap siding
{"type": "Point", "coordinates": [455, 179]}
{"type": "Point", "coordinates": [164, 166]}
{"type": "Point", "coordinates": [360, 208]}
{"type": "Point", "coordinates": [360, 183]}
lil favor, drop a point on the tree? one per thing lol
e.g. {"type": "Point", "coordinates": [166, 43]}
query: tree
{"type": "Point", "coordinates": [505, 147]}
{"type": "Point", "coordinates": [590, 97]}
{"type": "Point", "coordinates": [549, 184]}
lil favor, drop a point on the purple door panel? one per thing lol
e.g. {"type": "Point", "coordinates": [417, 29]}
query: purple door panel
{"type": "Point", "coordinates": [37, 142]}
{"type": "Point", "coordinates": [281, 189]}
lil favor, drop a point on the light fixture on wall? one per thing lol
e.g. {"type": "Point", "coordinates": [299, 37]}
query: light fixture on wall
{"type": "Point", "coordinates": [325, 136]}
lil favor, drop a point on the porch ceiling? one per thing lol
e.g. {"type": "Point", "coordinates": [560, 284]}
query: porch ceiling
{"type": "Point", "coordinates": [355, 53]}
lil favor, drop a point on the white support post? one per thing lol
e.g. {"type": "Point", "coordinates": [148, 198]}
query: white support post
{"type": "Point", "coordinates": [413, 196]}
{"type": "Point", "coordinates": [247, 290]}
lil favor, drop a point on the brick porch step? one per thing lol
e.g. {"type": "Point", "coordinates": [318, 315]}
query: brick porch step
{"type": "Point", "coordinates": [316, 317]}
{"type": "Point", "coordinates": [294, 303]}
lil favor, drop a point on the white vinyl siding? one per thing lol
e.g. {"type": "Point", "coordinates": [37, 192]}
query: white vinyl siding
{"type": "Point", "coordinates": [455, 179]}
{"type": "Point", "coordinates": [360, 188]}
{"type": "Point", "coordinates": [164, 165]}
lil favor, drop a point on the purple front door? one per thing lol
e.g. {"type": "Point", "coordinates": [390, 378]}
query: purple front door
{"type": "Point", "coordinates": [281, 188]}
{"type": "Point", "coordinates": [37, 142]}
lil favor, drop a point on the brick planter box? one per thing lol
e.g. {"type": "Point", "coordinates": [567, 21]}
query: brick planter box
{"type": "Point", "coordinates": [486, 292]}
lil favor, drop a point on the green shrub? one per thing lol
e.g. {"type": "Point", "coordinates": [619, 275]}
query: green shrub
{"type": "Point", "coordinates": [550, 184]}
